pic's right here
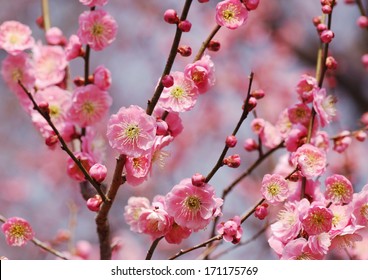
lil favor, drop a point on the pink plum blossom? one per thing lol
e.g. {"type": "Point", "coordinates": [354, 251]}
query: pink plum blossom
{"type": "Point", "coordinates": [298, 249]}
{"type": "Point", "coordinates": [97, 29]}
{"type": "Point", "coordinates": [299, 113]}
{"type": "Point", "coordinates": [192, 207]}
{"type": "Point", "coordinates": [15, 37]}
{"type": "Point", "coordinates": [73, 169]}
{"type": "Point", "coordinates": [98, 172]}
{"type": "Point", "coordinates": [181, 96]}
{"type": "Point", "coordinates": [133, 210]}
{"type": "Point", "coordinates": [176, 234]}
{"type": "Point", "coordinates": [137, 169]}
{"type": "Point", "coordinates": [324, 106]}
{"type": "Point", "coordinates": [231, 230]}
{"type": "Point", "coordinates": [59, 102]}
{"type": "Point", "coordinates": [16, 68]}
{"type": "Point", "coordinates": [173, 121]}
{"type": "Point", "coordinates": [360, 206]}
{"type": "Point", "coordinates": [318, 219]}
{"type": "Point", "coordinates": [338, 189]}
{"type": "Point", "coordinates": [310, 160]}
{"type": "Point", "coordinates": [274, 188]}
{"type": "Point", "coordinates": [102, 77]}
{"type": "Point", "coordinates": [320, 243]}
{"type": "Point", "coordinates": [296, 137]}
{"type": "Point", "coordinates": [54, 36]}
{"type": "Point", "coordinates": [155, 222]}
{"type": "Point", "coordinates": [306, 87]}
{"type": "Point", "coordinates": [89, 105]}
{"type": "Point", "coordinates": [231, 14]}
{"type": "Point", "coordinates": [49, 64]}
{"type": "Point", "coordinates": [17, 231]}
{"type": "Point", "coordinates": [74, 48]}
{"type": "Point", "coordinates": [202, 73]}
{"type": "Point", "coordinates": [131, 131]}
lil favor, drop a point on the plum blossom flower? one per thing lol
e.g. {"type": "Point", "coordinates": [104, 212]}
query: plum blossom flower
{"type": "Point", "coordinates": [231, 13]}
{"type": "Point", "coordinates": [360, 206]}
{"type": "Point", "coordinates": [74, 48]}
{"type": "Point", "coordinates": [73, 169]}
{"type": "Point", "coordinates": [16, 68]}
{"type": "Point", "coordinates": [89, 105]}
{"type": "Point", "coordinates": [324, 106]}
{"type": "Point", "coordinates": [310, 160]}
{"type": "Point", "coordinates": [193, 207]}
{"type": "Point", "coordinates": [97, 29]}
{"type": "Point", "coordinates": [202, 73]}
{"type": "Point", "coordinates": [298, 249]}
{"type": "Point", "coordinates": [15, 37]}
{"type": "Point", "coordinates": [320, 243]}
{"type": "Point", "coordinates": [131, 131]}
{"type": "Point", "coordinates": [181, 96]}
{"type": "Point", "coordinates": [92, 3]}
{"type": "Point", "coordinates": [133, 210]}
{"type": "Point", "coordinates": [17, 231]}
{"type": "Point", "coordinates": [339, 189]}
{"type": "Point", "coordinates": [102, 77]}
{"type": "Point", "coordinates": [59, 102]}
{"type": "Point", "coordinates": [306, 87]}
{"type": "Point", "coordinates": [318, 219]}
{"type": "Point", "coordinates": [274, 188]}
{"type": "Point", "coordinates": [177, 233]}
{"type": "Point", "coordinates": [231, 230]}
{"type": "Point", "coordinates": [173, 121]}
{"type": "Point", "coordinates": [54, 36]}
{"type": "Point", "coordinates": [156, 222]}
{"type": "Point", "coordinates": [49, 64]}
{"type": "Point", "coordinates": [299, 113]}
{"type": "Point", "coordinates": [137, 169]}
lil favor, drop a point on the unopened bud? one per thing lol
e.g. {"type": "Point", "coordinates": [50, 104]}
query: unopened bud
{"type": "Point", "coordinates": [361, 135]}
{"type": "Point", "coordinates": [327, 36]}
{"type": "Point", "coordinates": [331, 63]}
{"type": "Point", "coordinates": [251, 4]}
{"type": "Point", "coordinates": [252, 103]}
{"type": "Point", "coordinates": [231, 141]}
{"type": "Point", "coordinates": [261, 211]}
{"type": "Point", "coordinates": [232, 161]}
{"type": "Point", "coordinates": [98, 172]}
{"type": "Point", "coordinates": [167, 81]}
{"type": "Point", "coordinates": [185, 25]}
{"type": "Point", "coordinates": [326, 9]}
{"type": "Point", "coordinates": [162, 127]}
{"type": "Point", "coordinates": [214, 46]}
{"type": "Point", "coordinates": [94, 203]}
{"type": "Point", "coordinates": [198, 180]}
{"type": "Point", "coordinates": [170, 16]}
{"type": "Point", "coordinates": [250, 145]}
{"type": "Point", "coordinates": [79, 81]}
{"type": "Point", "coordinates": [185, 50]}
{"type": "Point", "coordinates": [258, 93]}
{"type": "Point", "coordinates": [44, 108]}
{"type": "Point", "coordinates": [51, 141]}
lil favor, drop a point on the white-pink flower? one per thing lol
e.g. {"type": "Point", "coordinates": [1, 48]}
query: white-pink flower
{"type": "Point", "coordinates": [320, 243]}
{"type": "Point", "coordinates": [137, 169]}
{"type": "Point", "coordinates": [74, 48]}
{"type": "Point", "coordinates": [131, 131]}
{"type": "Point", "coordinates": [360, 206]}
{"type": "Point", "coordinates": [17, 231]}
{"type": "Point", "coordinates": [89, 105]}
{"type": "Point", "coordinates": [201, 73]}
{"type": "Point", "coordinates": [133, 210]}
{"type": "Point", "coordinates": [231, 230]}
{"type": "Point", "coordinates": [15, 37]}
{"type": "Point", "coordinates": [49, 64]}
{"type": "Point", "coordinates": [231, 13]}
{"type": "Point", "coordinates": [192, 207]}
{"type": "Point", "coordinates": [310, 160]}
{"type": "Point", "coordinates": [324, 106]}
{"type": "Point", "coordinates": [317, 220]}
{"type": "Point", "coordinates": [155, 222]}
{"type": "Point", "coordinates": [307, 85]}
{"type": "Point", "coordinates": [298, 249]}
{"type": "Point", "coordinates": [339, 189]}
{"type": "Point", "coordinates": [274, 188]}
{"type": "Point", "coordinates": [97, 29]}
{"type": "Point", "coordinates": [181, 96]}
{"type": "Point", "coordinates": [102, 77]}
{"type": "Point", "coordinates": [176, 234]}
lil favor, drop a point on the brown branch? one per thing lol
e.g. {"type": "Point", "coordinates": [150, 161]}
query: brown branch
{"type": "Point", "coordinates": [206, 42]}
{"type": "Point", "coordinates": [64, 146]}
{"type": "Point", "coordinates": [170, 60]}
{"type": "Point", "coordinates": [153, 248]}
{"type": "Point", "coordinates": [102, 222]}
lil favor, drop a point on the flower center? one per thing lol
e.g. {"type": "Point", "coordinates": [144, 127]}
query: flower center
{"type": "Point", "coordinates": [317, 220]}
{"type": "Point", "coordinates": [88, 108]}
{"type": "Point", "coordinates": [178, 92]}
{"type": "Point", "coordinates": [54, 111]}
{"type": "Point", "coordinates": [364, 211]}
{"type": "Point", "coordinates": [198, 76]}
{"type": "Point", "coordinates": [132, 132]}
{"type": "Point", "coordinates": [338, 189]}
{"type": "Point", "coordinates": [17, 231]}
{"type": "Point", "coordinates": [17, 75]}
{"type": "Point", "coordinates": [97, 29]}
{"type": "Point", "coordinates": [14, 39]}
{"type": "Point", "coordinates": [303, 256]}
{"type": "Point", "coordinates": [273, 189]}
{"type": "Point", "coordinates": [229, 13]}
{"type": "Point", "coordinates": [193, 203]}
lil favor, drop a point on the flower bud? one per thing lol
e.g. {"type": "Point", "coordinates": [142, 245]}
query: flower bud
{"type": "Point", "coordinates": [364, 119]}
{"type": "Point", "coordinates": [261, 211]}
{"type": "Point", "coordinates": [198, 180]}
{"type": "Point", "coordinates": [362, 22]}
{"type": "Point", "coordinates": [257, 93]}
{"type": "Point", "coordinates": [250, 145]}
{"type": "Point", "coordinates": [44, 108]}
{"type": "Point", "coordinates": [51, 141]}
{"type": "Point", "coordinates": [327, 36]}
{"type": "Point", "coordinates": [251, 4]}
{"type": "Point", "coordinates": [252, 103]}
{"type": "Point", "coordinates": [203, 1]}
{"type": "Point", "coordinates": [214, 46]}
{"type": "Point", "coordinates": [185, 25]}
{"type": "Point", "coordinates": [231, 141]}
{"type": "Point", "coordinates": [326, 9]}
{"type": "Point", "coordinates": [321, 27]}
{"type": "Point", "coordinates": [170, 16]}
{"type": "Point", "coordinates": [331, 63]}
{"type": "Point", "coordinates": [102, 77]}
{"type": "Point", "coordinates": [162, 127]}
{"type": "Point", "coordinates": [232, 161]}
{"type": "Point", "coordinates": [98, 172]}
{"type": "Point", "coordinates": [316, 21]}
{"type": "Point", "coordinates": [365, 60]}
{"type": "Point", "coordinates": [167, 81]}
{"type": "Point", "coordinates": [185, 50]}
{"type": "Point", "coordinates": [94, 203]}
{"type": "Point", "coordinates": [79, 81]}
{"type": "Point", "coordinates": [40, 22]}
{"type": "Point", "coordinates": [360, 135]}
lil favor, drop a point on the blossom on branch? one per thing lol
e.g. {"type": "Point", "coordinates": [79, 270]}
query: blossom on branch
{"type": "Point", "coordinates": [17, 231]}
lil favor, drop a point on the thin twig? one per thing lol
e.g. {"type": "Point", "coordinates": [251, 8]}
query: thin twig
{"type": "Point", "coordinates": [46, 14]}
{"type": "Point", "coordinates": [64, 146]}
{"type": "Point", "coordinates": [170, 60]}
{"type": "Point", "coordinates": [153, 248]}
{"type": "Point", "coordinates": [206, 42]}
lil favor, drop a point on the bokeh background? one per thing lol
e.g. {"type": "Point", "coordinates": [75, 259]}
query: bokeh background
{"type": "Point", "coordinates": [278, 43]}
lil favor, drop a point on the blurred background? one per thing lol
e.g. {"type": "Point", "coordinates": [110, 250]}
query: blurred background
{"type": "Point", "coordinates": [278, 43]}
